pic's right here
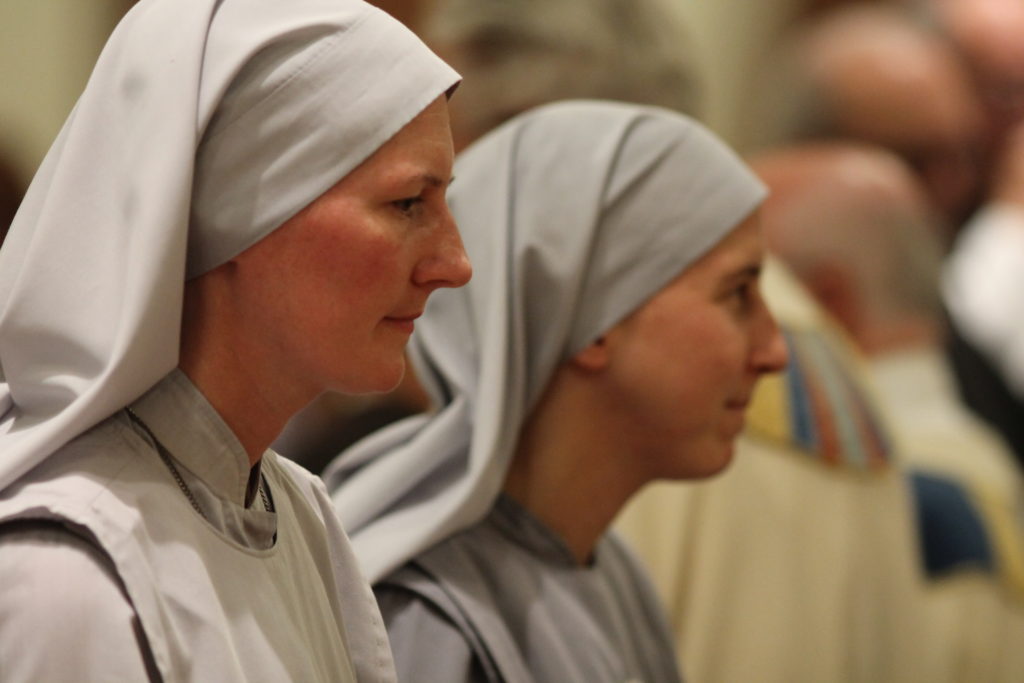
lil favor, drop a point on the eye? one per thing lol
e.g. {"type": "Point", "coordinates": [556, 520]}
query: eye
{"type": "Point", "coordinates": [742, 295]}
{"type": "Point", "coordinates": [407, 205]}
{"type": "Point", "coordinates": [740, 291]}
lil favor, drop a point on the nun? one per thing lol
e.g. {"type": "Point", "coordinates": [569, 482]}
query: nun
{"type": "Point", "coordinates": [613, 335]}
{"type": "Point", "coordinates": [245, 208]}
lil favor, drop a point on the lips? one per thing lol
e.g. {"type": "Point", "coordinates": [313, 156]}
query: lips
{"type": "Point", "coordinates": [405, 323]}
{"type": "Point", "coordinates": [404, 318]}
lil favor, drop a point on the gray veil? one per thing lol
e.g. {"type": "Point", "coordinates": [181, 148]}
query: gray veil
{"type": "Point", "coordinates": [204, 126]}
{"type": "Point", "coordinates": [573, 214]}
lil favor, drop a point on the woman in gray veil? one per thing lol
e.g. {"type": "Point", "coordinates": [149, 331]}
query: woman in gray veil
{"type": "Point", "coordinates": [612, 335]}
{"type": "Point", "coordinates": [245, 208]}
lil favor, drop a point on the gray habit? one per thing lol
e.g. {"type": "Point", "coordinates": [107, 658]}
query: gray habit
{"type": "Point", "coordinates": [505, 601]}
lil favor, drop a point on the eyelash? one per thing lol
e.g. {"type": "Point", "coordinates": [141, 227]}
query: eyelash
{"type": "Point", "coordinates": [407, 205]}
{"type": "Point", "coordinates": [743, 292]}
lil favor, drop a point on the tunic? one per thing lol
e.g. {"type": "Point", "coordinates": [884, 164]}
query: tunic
{"type": "Point", "coordinates": [506, 601]}
{"type": "Point", "coordinates": [975, 605]}
{"type": "Point", "coordinates": [128, 582]}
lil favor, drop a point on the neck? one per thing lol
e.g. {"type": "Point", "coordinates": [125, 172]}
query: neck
{"type": "Point", "coordinates": [567, 471]}
{"type": "Point", "coordinates": [233, 372]}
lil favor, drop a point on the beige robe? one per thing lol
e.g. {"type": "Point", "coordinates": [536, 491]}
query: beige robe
{"type": "Point", "coordinates": [975, 616]}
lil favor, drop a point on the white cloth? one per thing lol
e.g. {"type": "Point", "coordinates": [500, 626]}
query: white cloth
{"type": "Point", "coordinates": [983, 286]}
{"type": "Point", "coordinates": [574, 215]}
{"type": "Point", "coordinates": [205, 125]}
{"type": "Point", "coordinates": [128, 578]}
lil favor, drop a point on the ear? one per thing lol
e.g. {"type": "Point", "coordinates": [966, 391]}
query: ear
{"type": "Point", "coordinates": [594, 357]}
{"type": "Point", "coordinates": [833, 287]}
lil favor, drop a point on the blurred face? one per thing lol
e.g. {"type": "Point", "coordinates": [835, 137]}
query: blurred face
{"type": "Point", "coordinates": [682, 367]}
{"type": "Point", "coordinates": [932, 119]}
{"type": "Point", "coordinates": [988, 34]}
{"type": "Point", "coordinates": [332, 294]}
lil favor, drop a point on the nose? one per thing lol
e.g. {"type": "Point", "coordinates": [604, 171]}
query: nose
{"type": "Point", "coordinates": [446, 263]}
{"type": "Point", "coordinates": [769, 353]}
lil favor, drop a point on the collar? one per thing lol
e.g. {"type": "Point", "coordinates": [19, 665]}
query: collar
{"type": "Point", "coordinates": [193, 432]}
{"type": "Point", "coordinates": [519, 525]}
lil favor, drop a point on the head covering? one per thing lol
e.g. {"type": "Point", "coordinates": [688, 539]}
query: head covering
{"type": "Point", "coordinates": [574, 215]}
{"type": "Point", "coordinates": [204, 126]}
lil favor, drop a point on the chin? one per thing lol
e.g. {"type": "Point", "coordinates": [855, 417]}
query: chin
{"type": "Point", "coordinates": [383, 378]}
{"type": "Point", "coordinates": [703, 463]}
{"type": "Point", "coordinates": [713, 468]}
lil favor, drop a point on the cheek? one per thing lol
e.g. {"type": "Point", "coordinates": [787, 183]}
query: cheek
{"type": "Point", "coordinates": [718, 348]}
{"type": "Point", "coordinates": [357, 260]}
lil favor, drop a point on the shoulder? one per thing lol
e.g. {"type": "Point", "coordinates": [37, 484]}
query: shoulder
{"type": "Point", "coordinates": [55, 569]}
{"type": "Point", "coordinates": [69, 590]}
{"type": "Point", "coordinates": [305, 483]}
{"type": "Point", "coordinates": [98, 480]}
{"type": "Point", "coordinates": [619, 563]}
{"type": "Point", "coordinates": [429, 639]}
{"type": "Point", "coordinates": [632, 587]}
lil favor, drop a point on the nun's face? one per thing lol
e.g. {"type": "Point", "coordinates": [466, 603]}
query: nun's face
{"type": "Point", "coordinates": [335, 290]}
{"type": "Point", "coordinates": [684, 365]}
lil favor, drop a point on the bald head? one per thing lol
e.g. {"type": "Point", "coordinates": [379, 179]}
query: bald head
{"type": "Point", "coordinates": [872, 74]}
{"type": "Point", "coordinates": [853, 223]}
{"type": "Point", "coordinates": [518, 55]}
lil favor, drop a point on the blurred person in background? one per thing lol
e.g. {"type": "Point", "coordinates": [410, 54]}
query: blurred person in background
{"type": "Point", "coordinates": [984, 279]}
{"type": "Point", "coordinates": [873, 74]}
{"type": "Point", "coordinates": [883, 76]}
{"type": "Point", "coordinates": [986, 33]}
{"type": "Point", "coordinates": [874, 264]}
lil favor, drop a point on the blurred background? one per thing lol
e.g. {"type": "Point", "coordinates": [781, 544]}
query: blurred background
{"type": "Point", "coordinates": [48, 47]}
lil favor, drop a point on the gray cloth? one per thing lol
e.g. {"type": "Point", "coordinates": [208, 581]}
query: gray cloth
{"type": "Point", "coordinates": [505, 601]}
{"type": "Point", "coordinates": [129, 582]}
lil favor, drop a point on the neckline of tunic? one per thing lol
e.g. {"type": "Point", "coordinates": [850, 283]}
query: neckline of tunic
{"type": "Point", "coordinates": [522, 527]}
{"type": "Point", "coordinates": [209, 458]}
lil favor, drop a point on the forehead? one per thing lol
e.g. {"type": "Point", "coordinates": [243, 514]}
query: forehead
{"type": "Point", "coordinates": [424, 145]}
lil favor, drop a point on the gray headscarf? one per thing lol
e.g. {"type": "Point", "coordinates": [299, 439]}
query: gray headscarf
{"type": "Point", "coordinates": [574, 215]}
{"type": "Point", "coordinates": [204, 126]}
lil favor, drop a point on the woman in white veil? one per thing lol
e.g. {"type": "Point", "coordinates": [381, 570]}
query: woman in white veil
{"type": "Point", "coordinates": [245, 208]}
{"type": "Point", "coordinates": [612, 335]}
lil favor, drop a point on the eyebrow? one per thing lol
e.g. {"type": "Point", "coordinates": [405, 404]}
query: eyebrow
{"type": "Point", "coordinates": [749, 271]}
{"type": "Point", "coordinates": [434, 180]}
